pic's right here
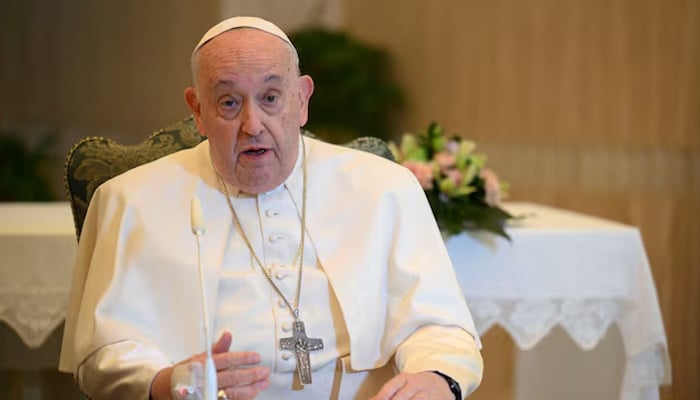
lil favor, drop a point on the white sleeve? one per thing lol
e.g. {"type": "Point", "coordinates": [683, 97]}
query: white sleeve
{"type": "Point", "coordinates": [122, 370]}
{"type": "Point", "coordinates": [448, 349]}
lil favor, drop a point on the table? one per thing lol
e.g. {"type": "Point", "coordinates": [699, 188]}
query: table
{"type": "Point", "coordinates": [38, 246]}
{"type": "Point", "coordinates": [570, 270]}
{"type": "Point", "coordinates": [562, 269]}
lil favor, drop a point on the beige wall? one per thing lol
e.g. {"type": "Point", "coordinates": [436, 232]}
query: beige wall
{"type": "Point", "coordinates": [589, 105]}
{"type": "Point", "coordinates": [84, 67]}
{"type": "Point", "coordinates": [81, 67]}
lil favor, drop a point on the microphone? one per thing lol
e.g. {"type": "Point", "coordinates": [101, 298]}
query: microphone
{"type": "Point", "coordinates": [198, 229]}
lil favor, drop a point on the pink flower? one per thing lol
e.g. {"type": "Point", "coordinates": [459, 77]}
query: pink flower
{"type": "Point", "coordinates": [452, 146]}
{"type": "Point", "coordinates": [444, 159]}
{"type": "Point", "coordinates": [491, 186]}
{"type": "Point", "coordinates": [423, 172]}
{"type": "Point", "coordinates": [455, 175]}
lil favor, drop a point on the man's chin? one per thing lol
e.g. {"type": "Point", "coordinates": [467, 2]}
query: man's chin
{"type": "Point", "coordinates": [260, 183]}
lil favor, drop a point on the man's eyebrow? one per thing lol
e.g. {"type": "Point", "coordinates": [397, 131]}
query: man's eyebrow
{"type": "Point", "coordinates": [268, 79]}
{"type": "Point", "coordinates": [273, 77]}
{"type": "Point", "coordinates": [224, 82]}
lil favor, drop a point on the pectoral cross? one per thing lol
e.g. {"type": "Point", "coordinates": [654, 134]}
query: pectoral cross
{"type": "Point", "coordinates": [301, 345]}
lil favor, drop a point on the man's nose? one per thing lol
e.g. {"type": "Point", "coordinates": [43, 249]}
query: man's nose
{"type": "Point", "coordinates": [251, 123]}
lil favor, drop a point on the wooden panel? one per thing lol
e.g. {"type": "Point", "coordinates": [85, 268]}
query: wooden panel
{"type": "Point", "coordinates": [588, 105]}
{"type": "Point", "coordinates": [82, 68]}
{"type": "Point", "coordinates": [499, 353]}
{"type": "Point", "coordinates": [109, 68]}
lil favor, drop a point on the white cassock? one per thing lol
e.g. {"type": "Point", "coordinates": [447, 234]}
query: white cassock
{"type": "Point", "coordinates": [377, 284]}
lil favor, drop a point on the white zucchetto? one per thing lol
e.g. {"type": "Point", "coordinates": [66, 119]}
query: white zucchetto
{"type": "Point", "coordinates": [242, 22]}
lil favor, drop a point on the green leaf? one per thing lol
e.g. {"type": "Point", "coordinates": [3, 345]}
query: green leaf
{"type": "Point", "coordinates": [458, 207]}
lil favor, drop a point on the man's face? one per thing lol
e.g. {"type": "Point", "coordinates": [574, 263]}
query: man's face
{"type": "Point", "coordinates": [250, 102]}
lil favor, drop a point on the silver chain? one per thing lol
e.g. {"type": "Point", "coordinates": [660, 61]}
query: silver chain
{"type": "Point", "coordinates": [295, 309]}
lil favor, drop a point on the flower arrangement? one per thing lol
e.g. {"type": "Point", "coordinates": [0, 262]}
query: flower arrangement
{"type": "Point", "coordinates": [463, 194]}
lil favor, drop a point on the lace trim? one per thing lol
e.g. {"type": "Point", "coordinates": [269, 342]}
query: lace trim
{"type": "Point", "coordinates": [33, 313]}
{"type": "Point", "coordinates": [528, 321]}
{"type": "Point", "coordinates": [586, 321]}
{"type": "Point", "coordinates": [645, 372]}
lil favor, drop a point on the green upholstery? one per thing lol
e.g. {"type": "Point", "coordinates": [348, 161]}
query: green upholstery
{"type": "Point", "coordinates": [96, 159]}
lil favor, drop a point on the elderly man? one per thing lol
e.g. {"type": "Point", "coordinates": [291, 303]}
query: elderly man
{"type": "Point", "coordinates": [302, 238]}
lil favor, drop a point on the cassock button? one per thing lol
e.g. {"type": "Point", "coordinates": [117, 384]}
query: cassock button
{"type": "Point", "coordinates": [286, 327]}
{"type": "Point", "coordinates": [281, 275]}
{"type": "Point", "coordinates": [271, 213]}
{"type": "Point", "coordinates": [281, 303]}
{"type": "Point", "coordinates": [286, 356]}
{"type": "Point", "coordinates": [275, 238]}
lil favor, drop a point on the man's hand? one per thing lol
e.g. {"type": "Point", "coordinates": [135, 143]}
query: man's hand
{"type": "Point", "coordinates": [237, 373]}
{"type": "Point", "coordinates": [419, 386]}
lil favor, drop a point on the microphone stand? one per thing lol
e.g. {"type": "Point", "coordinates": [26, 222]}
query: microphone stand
{"type": "Point", "coordinates": [198, 229]}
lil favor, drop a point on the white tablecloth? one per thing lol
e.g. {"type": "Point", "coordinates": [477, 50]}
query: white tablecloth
{"type": "Point", "coordinates": [570, 270]}
{"type": "Point", "coordinates": [37, 251]}
{"type": "Point", "coordinates": [561, 269]}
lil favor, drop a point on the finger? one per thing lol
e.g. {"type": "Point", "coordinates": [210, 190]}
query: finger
{"type": "Point", "coordinates": [390, 388]}
{"type": "Point", "coordinates": [246, 392]}
{"type": "Point", "coordinates": [223, 344]}
{"type": "Point", "coordinates": [242, 376]}
{"type": "Point", "coordinates": [408, 392]}
{"type": "Point", "coordinates": [235, 359]}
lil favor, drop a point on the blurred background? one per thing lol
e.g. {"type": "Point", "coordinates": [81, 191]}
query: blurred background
{"type": "Point", "coordinates": [592, 105]}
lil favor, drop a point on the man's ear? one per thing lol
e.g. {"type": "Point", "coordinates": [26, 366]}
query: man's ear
{"type": "Point", "coordinates": [193, 103]}
{"type": "Point", "coordinates": [306, 89]}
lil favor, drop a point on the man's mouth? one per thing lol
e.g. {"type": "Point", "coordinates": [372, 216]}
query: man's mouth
{"type": "Point", "coordinates": [255, 152]}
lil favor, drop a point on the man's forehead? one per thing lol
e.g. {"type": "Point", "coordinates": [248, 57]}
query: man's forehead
{"type": "Point", "coordinates": [242, 22]}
